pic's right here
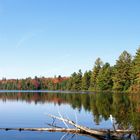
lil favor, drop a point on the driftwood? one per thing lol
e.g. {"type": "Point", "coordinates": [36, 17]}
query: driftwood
{"type": "Point", "coordinates": [103, 134]}
{"type": "Point", "coordinates": [78, 129]}
{"type": "Point", "coordinates": [70, 130]}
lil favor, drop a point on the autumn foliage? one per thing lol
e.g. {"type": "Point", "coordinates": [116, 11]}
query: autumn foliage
{"type": "Point", "coordinates": [56, 83]}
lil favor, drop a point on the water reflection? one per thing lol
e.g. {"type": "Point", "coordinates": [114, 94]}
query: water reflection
{"type": "Point", "coordinates": [125, 108]}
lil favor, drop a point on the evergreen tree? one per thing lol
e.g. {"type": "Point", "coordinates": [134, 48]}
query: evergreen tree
{"type": "Point", "coordinates": [75, 81]}
{"type": "Point", "coordinates": [69, 84]}
{"type": "Point", "coordinates": [94, 75]}
{"type": "Point", "coordinates": [104, 79]}
{"type": "Point", "coordinates": [86, 80]}
{"type": "Point", "coordinates": [136, 72]}
{"type": "Point", "coordinates": [122, 75]}
{"type": "Point", "coordinates": [78, 81]}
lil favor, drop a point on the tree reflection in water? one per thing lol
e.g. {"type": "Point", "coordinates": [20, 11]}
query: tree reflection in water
{"type": "Point", "coordinates": [124, 108]}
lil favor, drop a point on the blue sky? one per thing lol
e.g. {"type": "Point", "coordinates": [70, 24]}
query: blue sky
{"type": "Point", "coordinates": [52, 37]}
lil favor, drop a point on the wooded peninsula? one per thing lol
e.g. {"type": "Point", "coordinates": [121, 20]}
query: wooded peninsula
{"type": "Point", "coordinates": [124, 76]}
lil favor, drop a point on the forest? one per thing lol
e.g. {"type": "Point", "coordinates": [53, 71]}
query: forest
{"type": "Point", "coordinates": [124, 76]}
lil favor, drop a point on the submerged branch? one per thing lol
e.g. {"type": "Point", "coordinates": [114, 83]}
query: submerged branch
{"type": "Point", "coordinates": [105, 134]}
{"type": "Point", "coordinates": [43, 129]}
{"type": "Point", "coordinates": [80, 130]}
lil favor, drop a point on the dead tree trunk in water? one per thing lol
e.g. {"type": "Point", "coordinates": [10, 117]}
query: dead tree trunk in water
{"type": "Point", "coordinates": [81, 130]}
{"type": "Point", "coordinates": [103, 134]}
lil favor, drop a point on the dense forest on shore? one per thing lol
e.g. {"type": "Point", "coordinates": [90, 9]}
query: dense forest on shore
{"type": "Point", "coordinates": [123, 76]}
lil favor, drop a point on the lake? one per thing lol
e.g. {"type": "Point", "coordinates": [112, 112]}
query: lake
{"type": "Point", "coordinates": [100, 111]}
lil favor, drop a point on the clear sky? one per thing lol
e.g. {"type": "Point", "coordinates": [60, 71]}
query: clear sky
{"type": "Point", "coordinates": [52, 37]}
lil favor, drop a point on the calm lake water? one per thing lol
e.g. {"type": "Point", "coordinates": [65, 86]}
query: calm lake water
{"type": "Point", "coordinates": [30, 109]}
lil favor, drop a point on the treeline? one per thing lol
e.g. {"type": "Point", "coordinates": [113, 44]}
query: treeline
{"type": "Point", "coordinates": [123, 76]}
{"type": "Point", "coordinates": [42, 83]}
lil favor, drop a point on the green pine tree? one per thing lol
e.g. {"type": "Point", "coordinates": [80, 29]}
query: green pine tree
{"type": "Point", "coordinates": [78, 81]}
{"type": "Point", "coordinates": [122, 75]}
{"type": "Point", "coordinates": [94, 75]}
{"type": "Point", "coordinates": [75, 81]}
{"type": "Point", "coordinates": [104, 79]}
{"type": "Point", "coordinates": [136, 72]}
{"type": "Point", "coordinates": [86, 80]}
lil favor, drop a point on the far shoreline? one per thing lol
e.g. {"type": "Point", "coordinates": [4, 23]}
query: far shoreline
{"type": "Point", "coordinates": [61, 91]}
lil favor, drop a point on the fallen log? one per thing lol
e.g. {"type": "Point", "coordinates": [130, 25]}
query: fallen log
{"type": "Point", "coordinates": [69, 130]}
{"type": "Point", "coordinates": [65, 130]}
{"type": "Point", "coordinates": [105, 134]}
{"type": "Point", "coordinates": [80, 130]}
